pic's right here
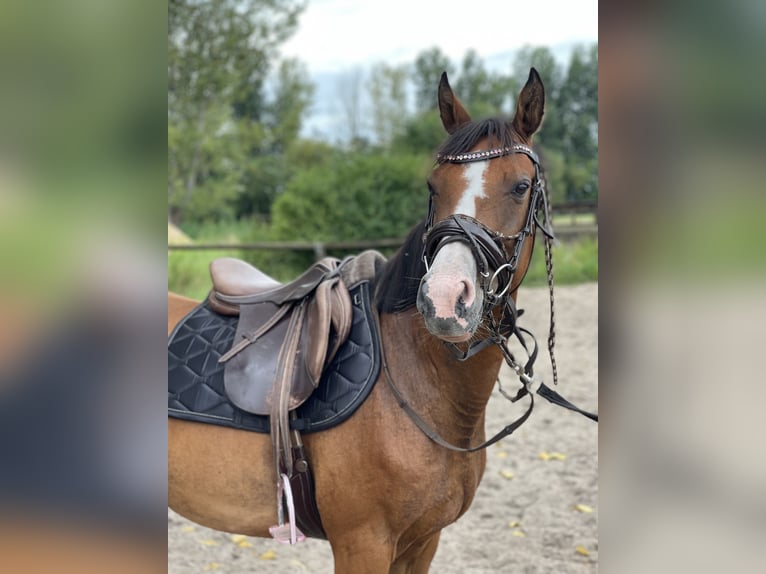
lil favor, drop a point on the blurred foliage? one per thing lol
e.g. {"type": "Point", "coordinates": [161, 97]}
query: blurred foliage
{"type": "Point", "coordinates": [234, 136]}
{"type": "Point", "coordinates": [427, 70]}
{"type": "Point", "coordinates": [226, 121]}
{"type": "Point", "coordinates": [485, 93]}
{"type": "Point", "coordinates": [235, 111]}
{"type": "Point", "coordinates": [356, 196]}
{"type": "Point", "coordinates": [422, 133]}
{"type": "Point", "coordinates": [568, 136]}
{"type": "Point", "coordinates": [573, 262]}
{"type": "Point", "coordinates": [388, 98]}
{"type": "Point", "coordinates": [349, 196]}
{"type": "Point", "coordinates": [81, 145]}
{"type": "Point", "coordinates": [78, 122]}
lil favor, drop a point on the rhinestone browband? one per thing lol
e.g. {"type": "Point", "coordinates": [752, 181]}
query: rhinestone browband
{"type": "Point", "coordinates": [482, 155]}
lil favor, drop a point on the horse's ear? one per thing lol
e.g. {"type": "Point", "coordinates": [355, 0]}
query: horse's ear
{"type": "Point", "coordinates": [530, 106]}
{"type": "Point", "coordinates": [452, 112]}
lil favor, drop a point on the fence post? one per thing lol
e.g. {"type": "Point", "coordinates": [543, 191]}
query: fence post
{"type": "Point", "coordinates": [319, 250]}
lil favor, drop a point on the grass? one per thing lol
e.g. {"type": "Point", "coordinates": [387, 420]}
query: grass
{"type": "Point", "coordinates": [573, 219]}
{"type": "Point", "coordinates": [574, 261]}
{"type": "Point", "coordinates": [188, 271]}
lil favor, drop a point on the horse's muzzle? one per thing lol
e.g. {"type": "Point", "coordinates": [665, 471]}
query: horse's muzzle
{"type": "Point", "coordinates": [448, 298]}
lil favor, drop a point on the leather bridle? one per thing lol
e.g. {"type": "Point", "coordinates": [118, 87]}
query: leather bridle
{"type": "Point", "coordinates": [488, 246]}
{"type": "Point", "coordinates": [496, 268]}
{"type": "Point", "coordinates": [496, 265]}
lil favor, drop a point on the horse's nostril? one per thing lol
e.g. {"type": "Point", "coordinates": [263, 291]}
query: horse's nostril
{"type": "Point", "coordinates": [465, 299]}
{"type": "Point", "coordinates": [468, 295]}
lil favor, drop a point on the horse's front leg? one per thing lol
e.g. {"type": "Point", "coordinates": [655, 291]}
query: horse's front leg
{"type": "Point", "coordinates": [417, 558]}
{"type": "Point", "coordinates": [362, 552]}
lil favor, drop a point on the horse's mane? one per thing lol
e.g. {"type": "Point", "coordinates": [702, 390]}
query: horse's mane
{"type": "Point", "coordinates": [397, 285]}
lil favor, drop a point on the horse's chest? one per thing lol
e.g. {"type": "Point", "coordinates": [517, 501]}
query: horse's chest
{"type": "Point", "coordinates": [418, 480]}
{"type": "Point", "coordinates": [443, 492]}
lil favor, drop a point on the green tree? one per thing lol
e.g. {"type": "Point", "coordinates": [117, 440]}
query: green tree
{"type": "Point", "coordinates": [222, 50]}
{"type": "Point", "coordinates": [388, 101]}
{"type": "Point", "coordinates": [354, 196]}
{"type": "Point", "coordinates": [351, 196]}
{"type": "Point", "coordinates": [426, 72]}
{"type": "Point", "coordinates": [568, 135]}
{"type": "Point", "coordinates": [421, 134]}
{"type": "Point", "coordinates": [578, 109]}
{"type": "Point", "coordinates": [349, 90]}
{"type": "Point", "coordinates": [579, 102]}
{"type": "Point", "coordinates": [542, 59]}
{"type": "Point", "coordinates": [220, 53]}
{"type": "Point", "coordinates": [484, 93]}
{"type": "Point", "coordinates": [555, 168]}
{"type": "Point", "coordinates": [292, 96]}
{"type": "Point", "coordinates": [266, 169]}
{"type": "Point", "coordinates": [307, 153]}
{"type": "Point", "coordinates": [204, 165]}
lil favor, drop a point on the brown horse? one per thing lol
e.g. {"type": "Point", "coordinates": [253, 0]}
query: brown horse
{"type": "Point", "coordinates": [384, 489]}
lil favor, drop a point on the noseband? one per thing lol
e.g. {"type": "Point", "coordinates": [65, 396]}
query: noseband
{"type": "Point", "coordinates": [495, 268]}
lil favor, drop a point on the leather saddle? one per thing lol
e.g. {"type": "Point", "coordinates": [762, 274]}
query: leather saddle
{"type": "Point", "coordinates": [286, 333]}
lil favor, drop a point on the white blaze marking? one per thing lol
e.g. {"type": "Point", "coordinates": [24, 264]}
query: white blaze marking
{"type": "Point", "coordinates": [474, 175]}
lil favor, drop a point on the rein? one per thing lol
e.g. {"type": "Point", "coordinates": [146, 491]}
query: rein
{"type": "Point", "coordinates": [496, 271]}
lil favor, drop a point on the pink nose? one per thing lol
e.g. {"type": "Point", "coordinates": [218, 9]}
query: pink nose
{"type": "Point", "coordinates": [446, 297]}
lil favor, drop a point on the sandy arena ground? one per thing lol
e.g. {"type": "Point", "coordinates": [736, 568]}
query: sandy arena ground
{"type": "Point", "coordinates": [536, 509]}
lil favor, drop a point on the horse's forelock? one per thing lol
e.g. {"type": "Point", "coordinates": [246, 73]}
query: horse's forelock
{"type": "Point", "coordinates": [467, 136]}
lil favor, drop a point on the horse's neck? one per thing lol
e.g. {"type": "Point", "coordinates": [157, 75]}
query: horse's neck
{"type": "Point", "coordinates": [429, 375]}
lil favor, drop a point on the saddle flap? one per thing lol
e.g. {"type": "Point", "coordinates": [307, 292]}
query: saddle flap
{"type": "Point", "coordinates": [250, 373]}
{"type": "Point", "coordinates": [282, 344]}
{"type": "Point", "coordinates": [279, 349]}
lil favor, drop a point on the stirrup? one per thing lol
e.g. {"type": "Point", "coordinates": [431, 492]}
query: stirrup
{"type": "Point", "coordinates": [286, 533]}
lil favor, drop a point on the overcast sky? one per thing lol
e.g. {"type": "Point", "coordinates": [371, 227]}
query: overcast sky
{"type": "Point", "coordinates": [336, 36]}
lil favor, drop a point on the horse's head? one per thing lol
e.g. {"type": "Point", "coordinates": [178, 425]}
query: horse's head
{"type": "Point", "coordinates": [480, 231]}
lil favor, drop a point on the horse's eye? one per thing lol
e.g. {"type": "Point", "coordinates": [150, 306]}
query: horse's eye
{"type": "Point", "coordinates": [431, 190]}
{"type": "Point", "coordinates": [521, 188]}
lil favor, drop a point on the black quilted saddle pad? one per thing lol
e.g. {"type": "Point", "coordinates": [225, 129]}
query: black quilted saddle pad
{"type": "Point", "coordinates": [195, 378]}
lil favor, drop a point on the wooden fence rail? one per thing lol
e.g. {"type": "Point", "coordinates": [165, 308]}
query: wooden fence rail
{"type": "Point", "coordinates": [320, 248]}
